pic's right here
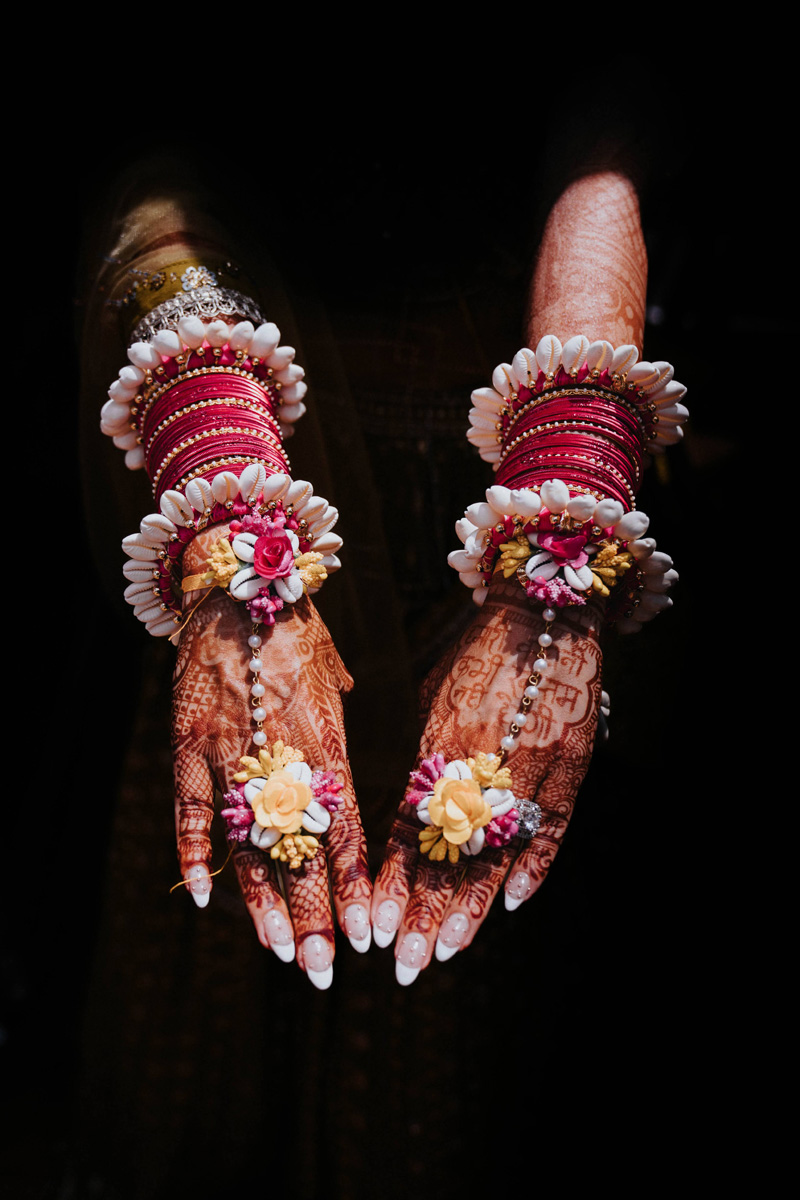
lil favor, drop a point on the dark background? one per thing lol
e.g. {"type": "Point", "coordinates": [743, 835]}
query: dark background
{"type": "Point", "coordinates": [646, 921]}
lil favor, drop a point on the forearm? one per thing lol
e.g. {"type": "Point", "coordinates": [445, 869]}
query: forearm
{"type": "Point", "coordinates": [591, 271]}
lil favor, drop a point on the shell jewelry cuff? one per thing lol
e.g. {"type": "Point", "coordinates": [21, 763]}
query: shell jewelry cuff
{"type": "Point", "coordinates": [204, 408]}
{"type": "Point", "coordinates": [280, 804]}
{"type": "Point", "coordinates": [566, 428]}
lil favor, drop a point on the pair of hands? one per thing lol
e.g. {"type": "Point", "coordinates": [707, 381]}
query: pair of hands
{"type": "Point", "coordinates": [469, 700]}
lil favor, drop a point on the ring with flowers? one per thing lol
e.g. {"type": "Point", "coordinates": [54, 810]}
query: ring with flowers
{"type": "Point", "coordinates": [565, 546]}
{"type": "Point", "coordinates": [467, 804]}
{"type": "Point", "coordinates": [280, 804]}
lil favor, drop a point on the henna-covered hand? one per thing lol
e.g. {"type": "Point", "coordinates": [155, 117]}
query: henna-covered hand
{"type": "Point", "coordinates": [212, 729]}
{"type": "Point", "coordinates": [470, 698]}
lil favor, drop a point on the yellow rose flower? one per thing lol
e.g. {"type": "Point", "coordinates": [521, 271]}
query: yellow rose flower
{"type": "Point", "coordinates": [281, 802]}
{"type": "Point", "coordinates": [458, 807]}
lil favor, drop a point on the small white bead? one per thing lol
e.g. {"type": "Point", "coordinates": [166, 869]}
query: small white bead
{"type": "Point", "coordinates": [545, 640]}
{"type": "Point", "coordinates": [255, 664]}
{"type": "Point", "coordinates": [520, 719]}
{"type": "Point", "coordinates": [532, 692]}
{"type": "Point", "coordinates": [549, 614]}
{"type": "Point", "coordinates": [259, 737]}
{"type": "Point", "coordinates": [254, 641]}
{"type": "Point", "coordinates": [257, 689]}
{"type": "Point", "coordinates": [259, 714]}
{"type": "Point", "coordinates": [508, 742]}
{"type": "Point", "coordinates": [540, 665]}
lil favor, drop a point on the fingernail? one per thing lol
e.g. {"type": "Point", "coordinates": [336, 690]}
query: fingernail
{"type": "Point", "coordinates": [318, 961]}
{"type": "Point", "coordinates": [199, 884]}
{"type": "Point", "coordinates": [451, 935]}
{"type": "Point", "coordinates": [279, 935]}
{"type": "Point", "coordinates": [518, 890]}
{"type": "Point", "coordinates": [386, 921]}
{"type": "Point", "coordinates": [356, 926]}
{"type": "Point", "coordinates": [410, 955]}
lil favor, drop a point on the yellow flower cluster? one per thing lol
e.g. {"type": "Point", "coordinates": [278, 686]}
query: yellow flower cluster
{"type": "Point", "coordinates": [484, 769]}
{"type": "Point", "coordinates": [607, 565]}
{"type": "Point", "coordinates": [266, 763]}
{"type": "Point", "coordinates": [312, 572]}
{"type": "Point", "coordinates": [457, 808]}
{"type": "Point", "coordinates": [513, 555]}
{"type": "Point", "coordinates": [223, 562]}
{"type": "Point", "coordinates": [294, 848]}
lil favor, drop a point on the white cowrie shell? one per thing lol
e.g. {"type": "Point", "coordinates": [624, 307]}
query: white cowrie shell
{"type": "Point", "coordinates": [581, 507]}
{"type": "Point", "coordinates": [275, 486]}
{"type": "Point", "coordinates": [608, 513]}
{"type": "Point", "coordinates": [457, 769]}
{"type": "Point", "coordinates": [574, 352]}
{"type": "Point", "coordinates": [251, 482]}
{"type": "Point", "coordinates": [217, 333]}
{"type": "Point", "coordinates": [192, 332]}
{"type": "Point", "coordinates": [548, 354]}
{"type": "Point", "coordinates": [316, 819]}
{"type": "Point", "coordinates": [167, 342]}
{"type": "Point", "coordinates": [241, 335]}
{"type": "Point", "coordinates": [503, 379]}
{"type": "Point", "coordinates": [246, 584]}
{"type": "Point", "coordinates": [289, 588]}
{"type": "Point", "coordinates": [200, 495]}
{"type": "Point", "coordinates": [525, 503]}
{"type": "Point", "coordinates": [264, 838]}
{"type": "Point", "coordinates": [265, 339]}
{"type": "Point", "coordinates": [225, 487]}
{"type": "Point", "coordinates": [632, 526]}
{"type": "Point", "coordinates": [555, 495]}
{"type": "Point", "coordinates": [144, 356]}
{"type": "Point", "coordinates": [126, 441]}
{"type": "Point", "coordinates": [281, 357]}
{"type": "Point", "coordinates": [175, 506]}
{"type": "Point", "coordinates": [599, 356]}
{"type": "Point", "coordinates": [499, 498]}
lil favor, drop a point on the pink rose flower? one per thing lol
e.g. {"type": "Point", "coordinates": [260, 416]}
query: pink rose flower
{"type": "Point", "coordinates": [565, 548]}
{"type": "Point", "coordinates": [273, 556]}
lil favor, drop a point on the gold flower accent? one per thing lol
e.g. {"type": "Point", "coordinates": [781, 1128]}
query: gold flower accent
{"type": "Point", "coordinates": [434, 845]}
{"type": "Point", "coordinates": [266, 763]}
{"type": "Point", "coordinates": [312, 572]}
{"type": "Point", "coordinates": [281, 802]}
{"type": "Point", "coordinates": [484, 768]}
{"type": "Point", "coordinates": [458, 807]}
{"type": "Point", "coordinates": [607, 565]}
{"type": "Point", "coordinates": [223, 562]}
{"type": "Point", "coordinates": [293, 848]}
{"type": "Point", "coordinates": [513, 554]}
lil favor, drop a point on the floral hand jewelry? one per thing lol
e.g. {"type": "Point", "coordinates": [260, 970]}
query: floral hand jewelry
{"type": "Point", "coordinates": [205, 409]}
{"type": "Point", "coordinates": [465, 805]}
{"type": "Point", "coordinates": [589, 411]}
{"type": "Point", "coordinates": [277, 795]}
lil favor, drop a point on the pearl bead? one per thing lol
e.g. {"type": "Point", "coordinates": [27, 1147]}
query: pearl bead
{"type": "Point", "coordinates": [255, 664]}
{"type": "Point", "coordinates": [545, 639]}
{"type": "Point", "coordinates": [508, 742]}
{"type": "Point", "coordinates": [259, 737]}
{"type": "Point", "coordinates": [532, 692]}
{"type": "Point", "coordinates": [259, 714]}
{"type": "Point", "coordinates": [254, 641]}
{"type": "Point", "coordinates": [257, 689]}
{"type": "Point", "coordinates": [549, 614]}
{"type": "Point", "coordinates": [520, 719]}
{"type": "Point", "coordinates": [540, 665]}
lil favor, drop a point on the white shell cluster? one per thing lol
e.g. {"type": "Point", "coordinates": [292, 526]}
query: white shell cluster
{"type": "Point", "coordinates": [500, 800]}
{"type": "Point", "coordinates": [261, 343]}
{"type": "Point", "coordinates": [253, 486]}
{"type": "Point", "coordinates": [316, 818]}
{"type": "Point", "coordinates": [655, 379]}
{"type": "Point", "coordinates": [479, 520]}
